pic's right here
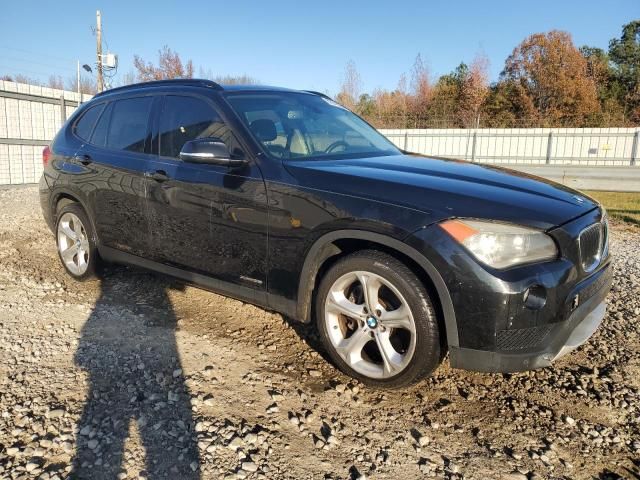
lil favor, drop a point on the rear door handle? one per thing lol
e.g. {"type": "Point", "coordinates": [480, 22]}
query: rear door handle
{"type": "Point", "coordinates": [158, 175]}
{"type": "Point", "coordinates": [83, 159]}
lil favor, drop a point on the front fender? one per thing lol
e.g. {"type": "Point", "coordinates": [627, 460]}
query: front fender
{"type": "Point", "coordinates": [324, 247]}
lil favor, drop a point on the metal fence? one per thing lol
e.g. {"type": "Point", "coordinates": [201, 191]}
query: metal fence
{"type": "Point", "coordinates": [526, 146]}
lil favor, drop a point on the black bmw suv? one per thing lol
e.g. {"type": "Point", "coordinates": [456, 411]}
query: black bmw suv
{"type": "Point", "coordinates": [287, 200]}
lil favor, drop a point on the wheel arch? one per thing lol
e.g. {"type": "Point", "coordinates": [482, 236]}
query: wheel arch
{"type": "Point", "coordinates": [62, 197]}
{"type": "Point", "coordinates": [328, 246]}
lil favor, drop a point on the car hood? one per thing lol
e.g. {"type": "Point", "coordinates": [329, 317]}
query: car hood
{"type": "Point", "coordinates": [446, 188]}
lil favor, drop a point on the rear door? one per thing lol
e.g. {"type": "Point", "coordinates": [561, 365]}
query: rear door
{"type": "Point", "coordinates": [208, 219]}
{"type": "Point", "coordinates": [116, 158]}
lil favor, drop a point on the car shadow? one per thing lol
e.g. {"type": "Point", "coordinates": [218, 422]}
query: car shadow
{"type": "Point", "coordinates": [136, 386]}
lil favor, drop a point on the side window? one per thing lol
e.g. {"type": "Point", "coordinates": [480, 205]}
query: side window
{"type": "Point", "coordinates": [128, 125]}
{"type": "Point", "coordinates": [99, 137]}
{"type": "Point", "coordinates": [187, 118]}
{"type": "Point", "coordinates": [84, 126]}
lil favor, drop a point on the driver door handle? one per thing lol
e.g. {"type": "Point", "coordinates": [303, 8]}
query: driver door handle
{"type": "Point", "coordinates": [157, 175]}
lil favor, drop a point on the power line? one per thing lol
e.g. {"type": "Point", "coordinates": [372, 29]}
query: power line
{"type": "Point", "coordinates": [18, 71]}
{"type": "Point", "coordinates": [37, 53]}
{"type": "Point", "coordinates": [33, 62]}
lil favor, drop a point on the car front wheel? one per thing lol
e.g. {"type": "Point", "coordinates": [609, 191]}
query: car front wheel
{"type": "Point", "coordinates": [377, 320]}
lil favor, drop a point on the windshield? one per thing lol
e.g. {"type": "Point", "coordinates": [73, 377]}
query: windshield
{"type": "Point", "coordinates": [303, 126]}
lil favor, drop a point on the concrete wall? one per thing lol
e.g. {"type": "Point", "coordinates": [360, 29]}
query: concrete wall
{"type": "Point", "coordinates": [527, 146]}
{"type": "Point", "coordinates": [30, 116]}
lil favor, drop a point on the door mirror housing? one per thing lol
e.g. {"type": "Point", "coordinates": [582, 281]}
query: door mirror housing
{"type": "Point", "coordinates": [210, 150]}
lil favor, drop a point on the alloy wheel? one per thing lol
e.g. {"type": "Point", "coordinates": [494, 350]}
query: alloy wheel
{"type": "Point", "coordinates": [73, 244]}
{"type": "Point", "coordinates": [370, 324]}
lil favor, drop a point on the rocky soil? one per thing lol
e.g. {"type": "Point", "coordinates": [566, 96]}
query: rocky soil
{"type": "Point", "coordinates": [139, 376]}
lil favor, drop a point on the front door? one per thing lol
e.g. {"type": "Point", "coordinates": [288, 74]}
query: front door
{"type": "Point", "coordinates": [208, 219]}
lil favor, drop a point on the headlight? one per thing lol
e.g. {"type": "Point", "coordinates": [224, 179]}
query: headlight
{"type": "Point", "coordinates": [502, 245]}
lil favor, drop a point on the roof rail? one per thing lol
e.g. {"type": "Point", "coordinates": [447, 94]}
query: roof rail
{"type": "Point", "coordinates": [194, 82]}
{"type": "Point", "coordinates": [324, 95]}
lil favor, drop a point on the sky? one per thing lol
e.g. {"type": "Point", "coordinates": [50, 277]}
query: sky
{"type": "Point", "coordinates": [296, 44]}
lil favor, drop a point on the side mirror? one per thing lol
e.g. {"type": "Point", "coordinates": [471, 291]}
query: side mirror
{"type": "Point", "coordinates": [210, 150]}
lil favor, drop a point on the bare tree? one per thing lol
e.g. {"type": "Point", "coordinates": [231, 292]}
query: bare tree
{"type": "Point", "coordinates": [127, 78]}
{"type": "Point", "coordinates": [351, 86]}
{"type": "Point", "coordinates": [243, 79]}
{"type": "Point", "coordinates": [421, 89]}
{"type": "Point", "coordinates": [87, 85]}
{"type": "Point", "coordinates": [55, 81]}
{"type": "Point", "coordinates": [169, 66]}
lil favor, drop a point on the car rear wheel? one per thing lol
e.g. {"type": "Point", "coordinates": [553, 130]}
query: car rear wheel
{"type": "Point", "coordinates": [76, 242]}
{"type": "Point", "coordinates": [377, 320]}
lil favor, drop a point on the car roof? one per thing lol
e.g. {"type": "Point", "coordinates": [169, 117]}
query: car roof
{"type": "Point", "coordinates": [194, 82]}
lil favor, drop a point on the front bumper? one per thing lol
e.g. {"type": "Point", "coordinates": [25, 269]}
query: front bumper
{"type": "Point", "coordinates": [520, 318]}
{"type": "Point", "coordinates": [559, 338]}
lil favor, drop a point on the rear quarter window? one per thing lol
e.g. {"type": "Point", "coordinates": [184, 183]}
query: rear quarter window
{"type": "Point", "coordinates": [84, 126]}
{"type": "Point", "coordinates": [99, 136]}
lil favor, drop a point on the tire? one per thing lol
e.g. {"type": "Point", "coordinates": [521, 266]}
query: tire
{"type": "Point", "coordinates": [393, 356]}
{"type": "Point", "coordinates": [76, 242]}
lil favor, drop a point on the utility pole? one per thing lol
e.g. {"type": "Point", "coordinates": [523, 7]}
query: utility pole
{"type": "Point", "coordinates": [78, 80]}
{"type": "Point", "coordinates": [99, 50]}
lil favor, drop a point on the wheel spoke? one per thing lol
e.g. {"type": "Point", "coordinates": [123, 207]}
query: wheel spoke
{"type": "Point", "coordinates": [66, 229]}
{"type": "Point", "coordinates": [338, 303]}
{"type": "Point", "coordinates": [81, 260]}
{"type": "Point", "coordinates": [77, 227]}
{"type": "Point", "coordinates": [69, 253]}
{"type": "Point", "coordinates": [370, 287]}
{"type": "Point", "coordinates": [392, 360]}
{"type": "Point", "coordinates": [350, 348]}
{"type": "Point", "coordinates": [398, 318]}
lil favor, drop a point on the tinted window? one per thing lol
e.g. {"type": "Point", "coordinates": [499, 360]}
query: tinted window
{"type": "Point", "coordinates": [99, 136]}
{"type": "Point", "coordinates": [84, 126]}
{"type": "Point", "coordinates": [187, 118]}
{"type": "Point", "coordinates": [128, 126]}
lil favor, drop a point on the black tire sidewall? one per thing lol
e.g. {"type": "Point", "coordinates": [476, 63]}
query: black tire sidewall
{"type": "Point", "coordinates": [94, 259]}
{"type": "Point", "coordinates": [427, 355]}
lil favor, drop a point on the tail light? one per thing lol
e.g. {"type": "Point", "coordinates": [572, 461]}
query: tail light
{"type": "Point", "coordinates": [46, 155]}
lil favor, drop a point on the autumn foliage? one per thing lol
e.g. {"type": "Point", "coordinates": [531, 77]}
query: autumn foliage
{"type": "Point", "coordinates": [169, 66]}
{"type": "Point", "coordinates": [552, 75]}
{"type": "Point", "coordinates": [546, 81]}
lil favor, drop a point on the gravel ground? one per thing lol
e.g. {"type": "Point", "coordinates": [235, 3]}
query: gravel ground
{"type": "Point", "coordinates": [139, 376]}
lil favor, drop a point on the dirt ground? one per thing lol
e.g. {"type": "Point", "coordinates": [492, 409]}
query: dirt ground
{"type": "Point", "coordinates": [140, 376]}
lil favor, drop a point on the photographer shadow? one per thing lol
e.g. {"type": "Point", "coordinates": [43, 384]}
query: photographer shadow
{"type": "Point", "coordinates": [129, 351]}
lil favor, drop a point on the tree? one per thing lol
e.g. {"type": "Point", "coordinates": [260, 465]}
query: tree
{"type": "Point", "coordinates": [509, 106]}
{"type": "Point", "coordinates": [610, 93]}
{"type": "Point", "coordinates": [56, 82]}
{"type": "Point", "coordinates": [169, 66]}
{"type": "Point", "coordinates": [553, 74]}
{"type": "Point", "coordinates": [351, 86]}
{"type": "Point", "coordinates": [19, 78]}
{"type": "Point", "coordinates": [625, 56]}
{"type": "Point", "coordinates": [391, 108]}
{"type": "Point", "coordinates": [474, 87]}
{"type": "Point", "coordinates": [87, 85]}
{"type": "Point", "coordinates": [127, 78]}
{"type": "Point", "coordinates": [421, 89]}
